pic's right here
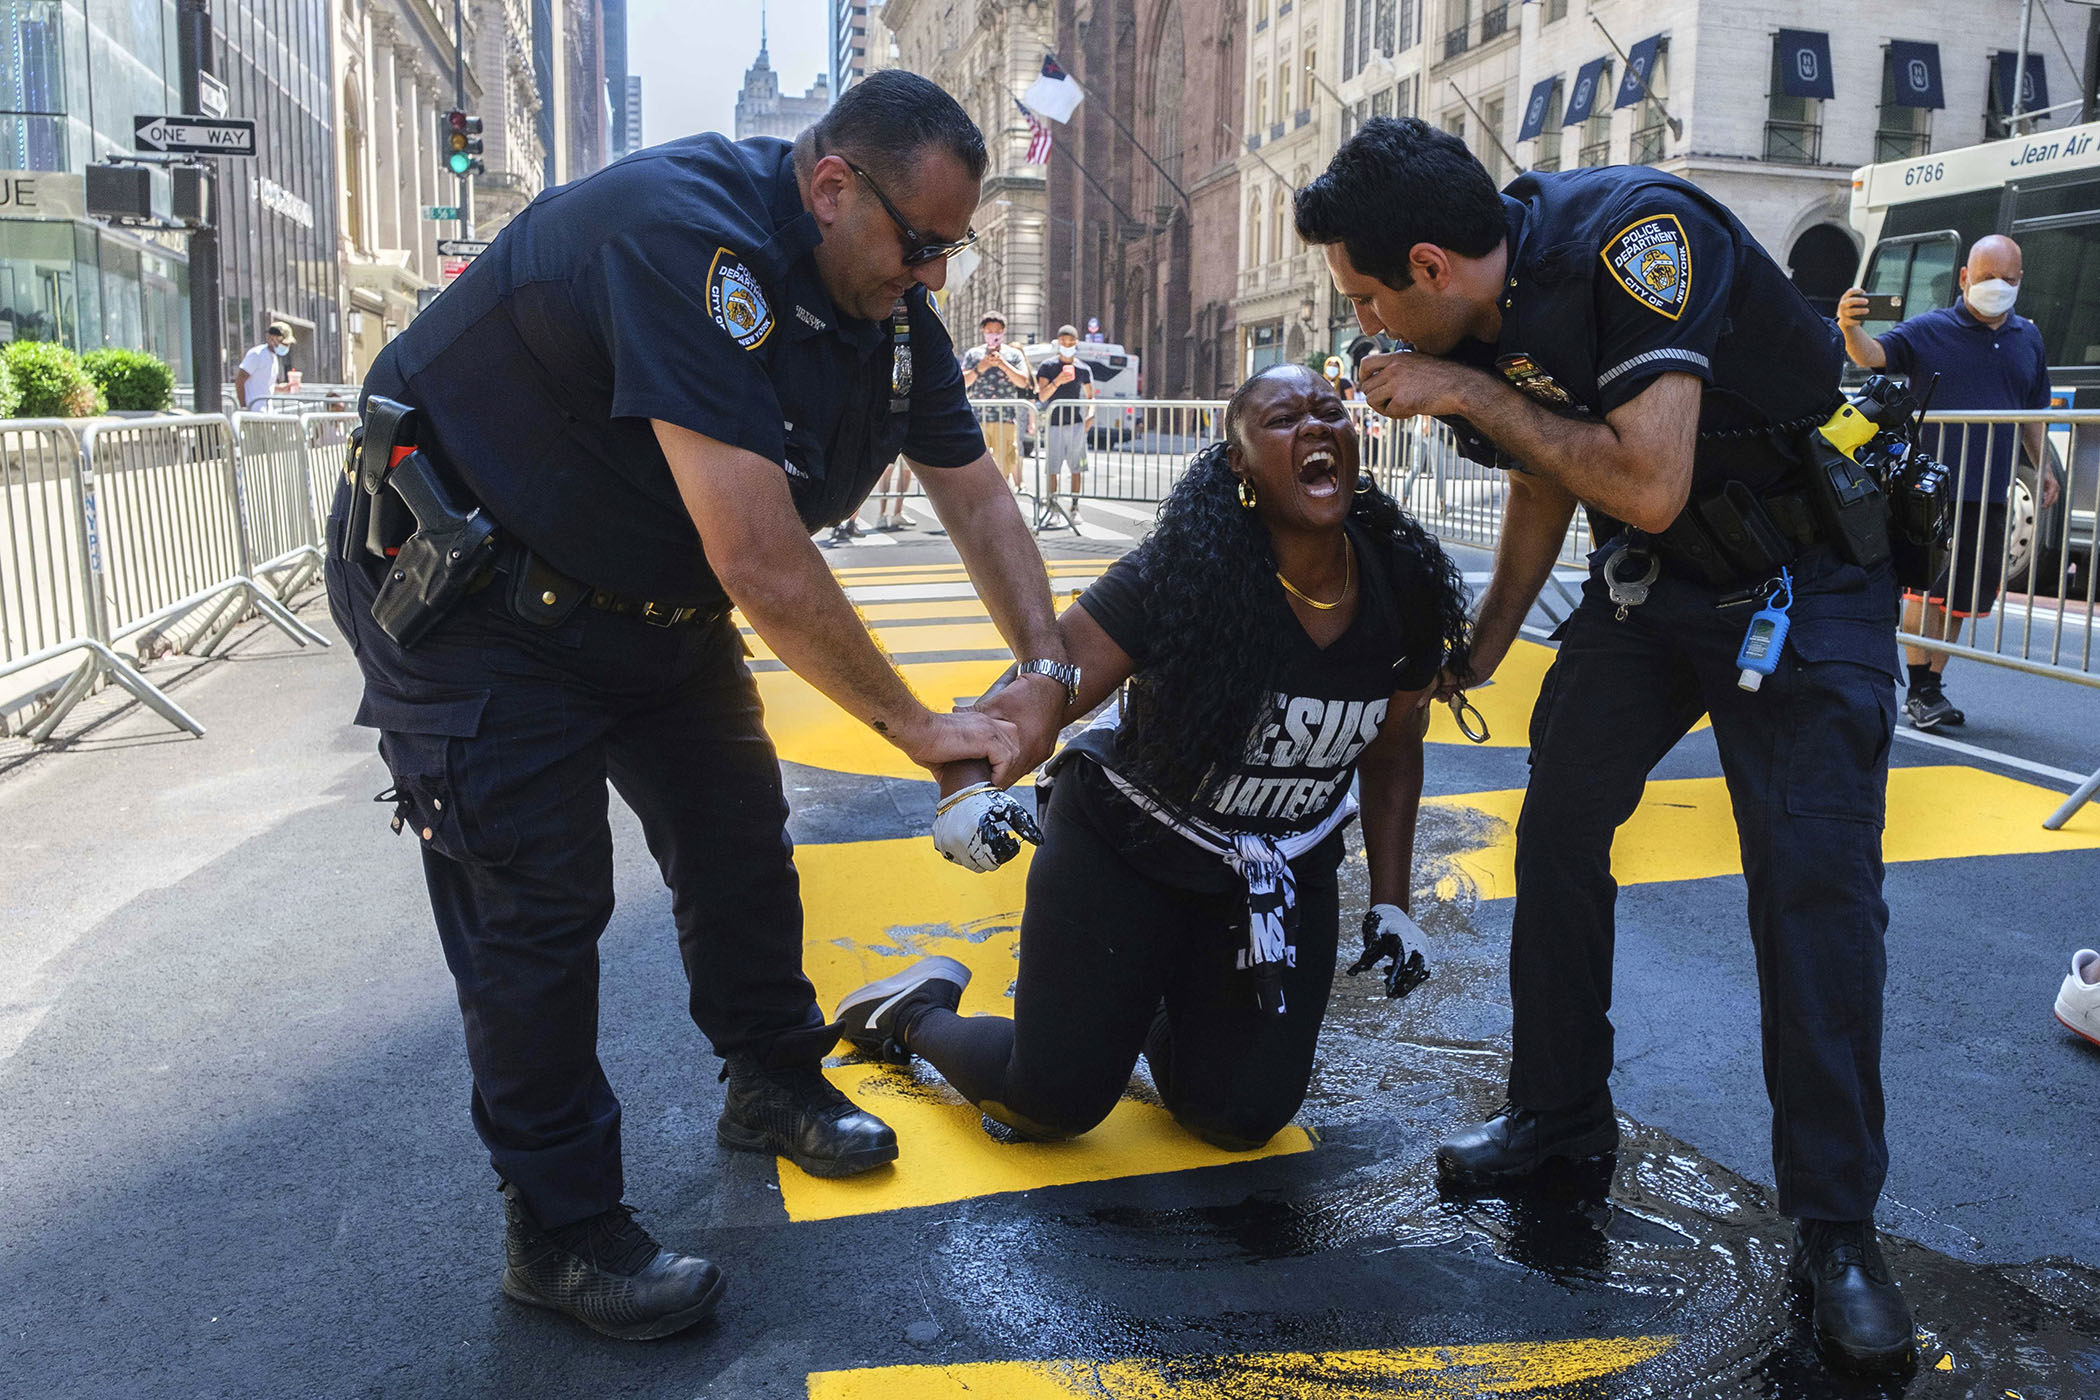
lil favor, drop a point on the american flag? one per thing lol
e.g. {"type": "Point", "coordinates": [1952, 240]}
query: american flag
{"type": "Point", "coordinates": [1038, 138]}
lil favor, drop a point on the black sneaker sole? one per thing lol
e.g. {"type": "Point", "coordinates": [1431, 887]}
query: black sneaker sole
{"type": "Point", "coordinates": [637, 1332]}
{"type": "Point", "coordinates": [743, 1139]}
{"type": "Point", "coordinates": [1598, 1143]}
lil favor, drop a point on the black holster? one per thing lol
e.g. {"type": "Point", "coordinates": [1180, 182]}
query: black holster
{"type": "Point", "coordinates": [1852, 514]}
{"type": "Point", "coordinates": [434, 543]}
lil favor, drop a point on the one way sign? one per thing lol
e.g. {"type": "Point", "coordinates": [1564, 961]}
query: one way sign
{"type": "Point", "coordinates": [199, 136]}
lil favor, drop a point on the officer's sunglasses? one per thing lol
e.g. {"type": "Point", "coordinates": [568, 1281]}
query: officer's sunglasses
{"type": "Point", "coordinates": [919, 248]}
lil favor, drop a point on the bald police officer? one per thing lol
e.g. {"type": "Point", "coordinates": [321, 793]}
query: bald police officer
{"type": "Point", "coordinates": [654, 385]}
{"type": "Point", "coordinates": [1615, 338]}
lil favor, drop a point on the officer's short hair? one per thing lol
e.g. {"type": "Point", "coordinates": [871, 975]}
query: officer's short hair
{"type": "Point", "coordinates": [886, 121]}
{"type": "Point", "coordinates": [1396, 183]}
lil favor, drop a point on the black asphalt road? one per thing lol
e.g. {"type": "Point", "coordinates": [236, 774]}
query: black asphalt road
{"type": "Point", "coordinates": [236, 1156]}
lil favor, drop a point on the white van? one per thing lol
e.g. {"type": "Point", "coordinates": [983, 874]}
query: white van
{"type": "Point", "coordinates": [1115, 377]}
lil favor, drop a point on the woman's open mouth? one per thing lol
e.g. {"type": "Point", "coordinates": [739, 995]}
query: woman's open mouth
{"type": "Point", "coordinates": [1319, 474]}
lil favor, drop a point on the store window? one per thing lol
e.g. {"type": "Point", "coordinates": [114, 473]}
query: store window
{"type": "Point", "coordinates": [40, 282]}
{"type": "Point", "coordinates": [32, 85]}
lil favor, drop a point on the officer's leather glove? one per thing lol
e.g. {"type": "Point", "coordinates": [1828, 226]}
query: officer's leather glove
{"type": "Point", "coordinates": [1386, 931]}
{"type": "Point", "coordinates": [981, 827]}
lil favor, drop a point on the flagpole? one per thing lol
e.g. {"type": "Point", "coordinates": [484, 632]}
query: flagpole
{"type": "Point", "coordinates": [1059, 147]}
{"type": "Point", "coordinates": [1131, 137]}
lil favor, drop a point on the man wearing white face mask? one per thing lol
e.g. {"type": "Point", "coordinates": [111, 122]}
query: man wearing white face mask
{"type": "Point", "coordinates": [254, 381]}
{"type": "Point", "coordinates": [1987, 359]}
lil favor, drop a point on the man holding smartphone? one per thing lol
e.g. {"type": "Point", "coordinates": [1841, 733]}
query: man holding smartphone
{"type": "Point", "coordinates": [1985, 359]}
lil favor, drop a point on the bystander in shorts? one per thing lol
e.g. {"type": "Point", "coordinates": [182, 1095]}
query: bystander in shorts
{"type": "Point", "coordinates": [1968, 585]}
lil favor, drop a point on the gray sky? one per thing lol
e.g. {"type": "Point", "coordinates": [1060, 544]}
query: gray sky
{"type": "Point", "coordinates": [692, 55]}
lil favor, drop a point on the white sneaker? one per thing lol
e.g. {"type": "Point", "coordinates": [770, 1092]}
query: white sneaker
{"type": "Point", "coordinates": [2078, 1003]}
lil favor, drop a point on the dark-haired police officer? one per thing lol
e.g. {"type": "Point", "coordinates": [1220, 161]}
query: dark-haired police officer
{"type": "Point", "coordinates": [654, 385]}
{"type": "Point", "coordinates": [1615, 338]}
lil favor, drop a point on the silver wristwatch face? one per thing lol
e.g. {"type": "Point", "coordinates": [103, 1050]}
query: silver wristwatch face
{"type": "Point", "coordinates": [1063, 672]}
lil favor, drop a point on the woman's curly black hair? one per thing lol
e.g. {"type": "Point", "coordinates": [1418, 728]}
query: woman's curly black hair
{"type": "Point", "coordinates": [1221, 626]}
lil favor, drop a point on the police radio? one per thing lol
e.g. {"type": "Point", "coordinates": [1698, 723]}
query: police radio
{"type": "Point", "coordinates": [1879, 495]}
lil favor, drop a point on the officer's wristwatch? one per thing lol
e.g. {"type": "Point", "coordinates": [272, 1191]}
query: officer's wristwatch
{"type": "Point", "coordinates": [1063, 672]}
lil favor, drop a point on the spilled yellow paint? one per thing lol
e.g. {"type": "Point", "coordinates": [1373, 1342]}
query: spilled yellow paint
{"type": "Point", "coordinates": [809, 729]}
{"type": "Point", "coordinates": [1684, 828]}
{"type": "Point", "coordinates": [872, 908]}
{"type": "Point", "coordinates": [1502, 1368]}
{"type": "Point", "coordinates": [928, 639]}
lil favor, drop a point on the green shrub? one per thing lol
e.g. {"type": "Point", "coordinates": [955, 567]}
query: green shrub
{"type": "Point", "coordinates": [10, 396]}
{"type": "Point", "coordinates": [131, 378]}
{"type": "Point", "coordinates": [51, 381]}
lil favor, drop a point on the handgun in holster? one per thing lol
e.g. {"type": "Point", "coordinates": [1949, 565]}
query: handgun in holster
{"type": "Point", "coordinates": [432, 565]}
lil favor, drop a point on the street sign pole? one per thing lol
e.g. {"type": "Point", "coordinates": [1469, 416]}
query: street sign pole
{"type": "Point", "coordinates": [193, 38]}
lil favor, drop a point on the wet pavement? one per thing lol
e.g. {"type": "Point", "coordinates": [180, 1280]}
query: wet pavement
{"type": "Point", "coordinates": [238, 1160]}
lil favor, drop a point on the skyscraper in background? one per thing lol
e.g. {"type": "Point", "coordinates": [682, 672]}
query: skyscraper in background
{"type": "Point", "coordinates": [631, 102]}
{"type": "Point", "coordinates": [849, 43]}
{"type": "Point", "coordinates": [618, 142]}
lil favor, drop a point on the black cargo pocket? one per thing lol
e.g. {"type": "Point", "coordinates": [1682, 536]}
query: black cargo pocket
{"type": "Point", "coordinates": [444, 774]}
{"type": "Point", "coordinates": [1841, 720]}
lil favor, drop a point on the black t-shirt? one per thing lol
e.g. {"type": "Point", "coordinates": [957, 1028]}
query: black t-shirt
{"type": "Point", "coordinates": [1331, 703]}
{"type": "Point", "coordinates": [1047, 371]}
{"type": "Point", "coordinates": [677, 284]}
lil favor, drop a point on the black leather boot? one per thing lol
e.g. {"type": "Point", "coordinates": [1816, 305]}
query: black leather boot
{"type": "Point", "coordinates": [1862, 1322]}
{"type": "Point", "coordinates": [796, 1113]}
{"type": "Point", "coordinates": [1518, 1141]}
{"type": "Point", "coordinates": [606, 1272]}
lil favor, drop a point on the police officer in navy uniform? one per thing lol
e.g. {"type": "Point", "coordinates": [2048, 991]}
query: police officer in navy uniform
{"type": "Point", "coordinates": [1616, 339]}
{"type": "Point", "coordinates": [657, 383]}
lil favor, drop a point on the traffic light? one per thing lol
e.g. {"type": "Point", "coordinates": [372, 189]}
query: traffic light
{"type": "Point", "coordinates": [462, 143]}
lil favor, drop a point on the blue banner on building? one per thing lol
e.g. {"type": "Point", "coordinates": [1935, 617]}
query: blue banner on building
{"type": "Point", "coordinates": [1640, 62]}
{"type": "Point", "coordinates": [1804, 63]}
{"type": "Point", "coordinates": [1535, 109]}
{"type": "Point", "coordinates": [1584, 97]}
{"type": "Point", "coordinates": [1914, 74]}
{"type": "Point", "coordinates": [2034, 84]}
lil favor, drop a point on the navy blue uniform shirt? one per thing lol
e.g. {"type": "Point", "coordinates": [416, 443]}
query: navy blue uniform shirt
{"type": "Point", "coordinates": [1619, 274]}
{"type": "Point", "coordinates": [676, 284]}
{"type": "Point", "coordinates": [1980, 369]}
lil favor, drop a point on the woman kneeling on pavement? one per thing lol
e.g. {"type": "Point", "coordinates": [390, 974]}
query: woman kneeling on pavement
{"type": "Point", "coordinates": [1281, 631]}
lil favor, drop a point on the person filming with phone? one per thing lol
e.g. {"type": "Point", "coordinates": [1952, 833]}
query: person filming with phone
{"type": "Point", "coordinates": [1980, 357]}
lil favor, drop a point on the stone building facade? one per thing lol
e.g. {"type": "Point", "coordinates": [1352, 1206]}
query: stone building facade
{"type": "Point", "coordinates": [395, 82]}
{"type": "Point", "coordinates": [1710, 101]}
{"type": "Point", "coordinates": [762, 110]}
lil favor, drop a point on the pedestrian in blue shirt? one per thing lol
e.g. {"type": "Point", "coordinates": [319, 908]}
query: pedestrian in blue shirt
{"type": "Point", "coordinates": [1987, 359]}
{"type": "Point", "coordinates": [1616, 339]}
{"type": "Point", "coordinates": [654, 386]}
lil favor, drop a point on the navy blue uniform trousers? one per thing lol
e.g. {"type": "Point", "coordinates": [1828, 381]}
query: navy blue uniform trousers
{"type": "Point", "coordinates": [501, 735]}
{"type": "Point", "coordinates": [1806, 762]}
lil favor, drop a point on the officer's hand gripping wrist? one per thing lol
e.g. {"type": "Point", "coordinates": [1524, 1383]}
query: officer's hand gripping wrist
{"type": "Point", "coordinates": [1386, 930]}
{"type": "Point", "coordinates": [981, 828]}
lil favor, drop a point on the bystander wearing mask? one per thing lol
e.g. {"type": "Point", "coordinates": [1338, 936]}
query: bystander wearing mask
{"type": "Point", "coordinates": [1987, 360]}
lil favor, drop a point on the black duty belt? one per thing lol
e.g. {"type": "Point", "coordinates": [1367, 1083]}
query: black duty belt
{"type": "Point", "coordinates": [543, 594]}
{"type": "Point", "coordinates": [1735, 538]}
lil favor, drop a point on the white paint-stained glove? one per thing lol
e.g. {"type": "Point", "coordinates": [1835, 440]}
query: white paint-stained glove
{"type": "Point", "coordinates": [1387, 931]}
{"type": "Point", "coordinates": [981, 827]}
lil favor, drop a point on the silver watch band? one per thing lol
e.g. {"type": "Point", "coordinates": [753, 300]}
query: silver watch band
{"type": "Point", "coordinates": [1063, 672]}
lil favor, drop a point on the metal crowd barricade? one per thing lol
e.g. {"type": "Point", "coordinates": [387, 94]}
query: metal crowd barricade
{"type": "Point", "coordinates": [2031, 567]}
{"type": "Point", "coordinates": [327, 459]}
{"type": "Point", "coordinates": [54, 635]}
{"type": "Point", "coordinates": [177, 560]}
{"type": "Point", "coordinates": [276, 496]}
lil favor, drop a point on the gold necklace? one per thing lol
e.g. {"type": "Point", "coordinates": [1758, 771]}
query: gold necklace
{"type": "Point", "coordinates": [1348, 581]}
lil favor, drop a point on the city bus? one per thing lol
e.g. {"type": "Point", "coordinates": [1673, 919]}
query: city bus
{"type": "Point", "coordinates": [1917, 218]}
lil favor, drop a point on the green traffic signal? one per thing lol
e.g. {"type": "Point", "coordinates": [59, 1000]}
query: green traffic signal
{"type": "Point", "coordinates": [460, 162]}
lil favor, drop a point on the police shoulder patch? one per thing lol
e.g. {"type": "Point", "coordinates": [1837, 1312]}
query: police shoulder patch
{"type": "Point", "coordinates": [736, 301]}
{"type": "Point", "coordinates": [1651, 260]}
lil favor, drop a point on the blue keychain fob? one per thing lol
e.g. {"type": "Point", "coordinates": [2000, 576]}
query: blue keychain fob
{"type": "Point", "coordinates": [1766, 639]}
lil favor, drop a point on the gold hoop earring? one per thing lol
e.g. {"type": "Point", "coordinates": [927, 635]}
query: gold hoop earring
{"type": "Point", "coordinates": [1363, 484]}
{"type": "Point", "coordinates": [1246, 493]}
